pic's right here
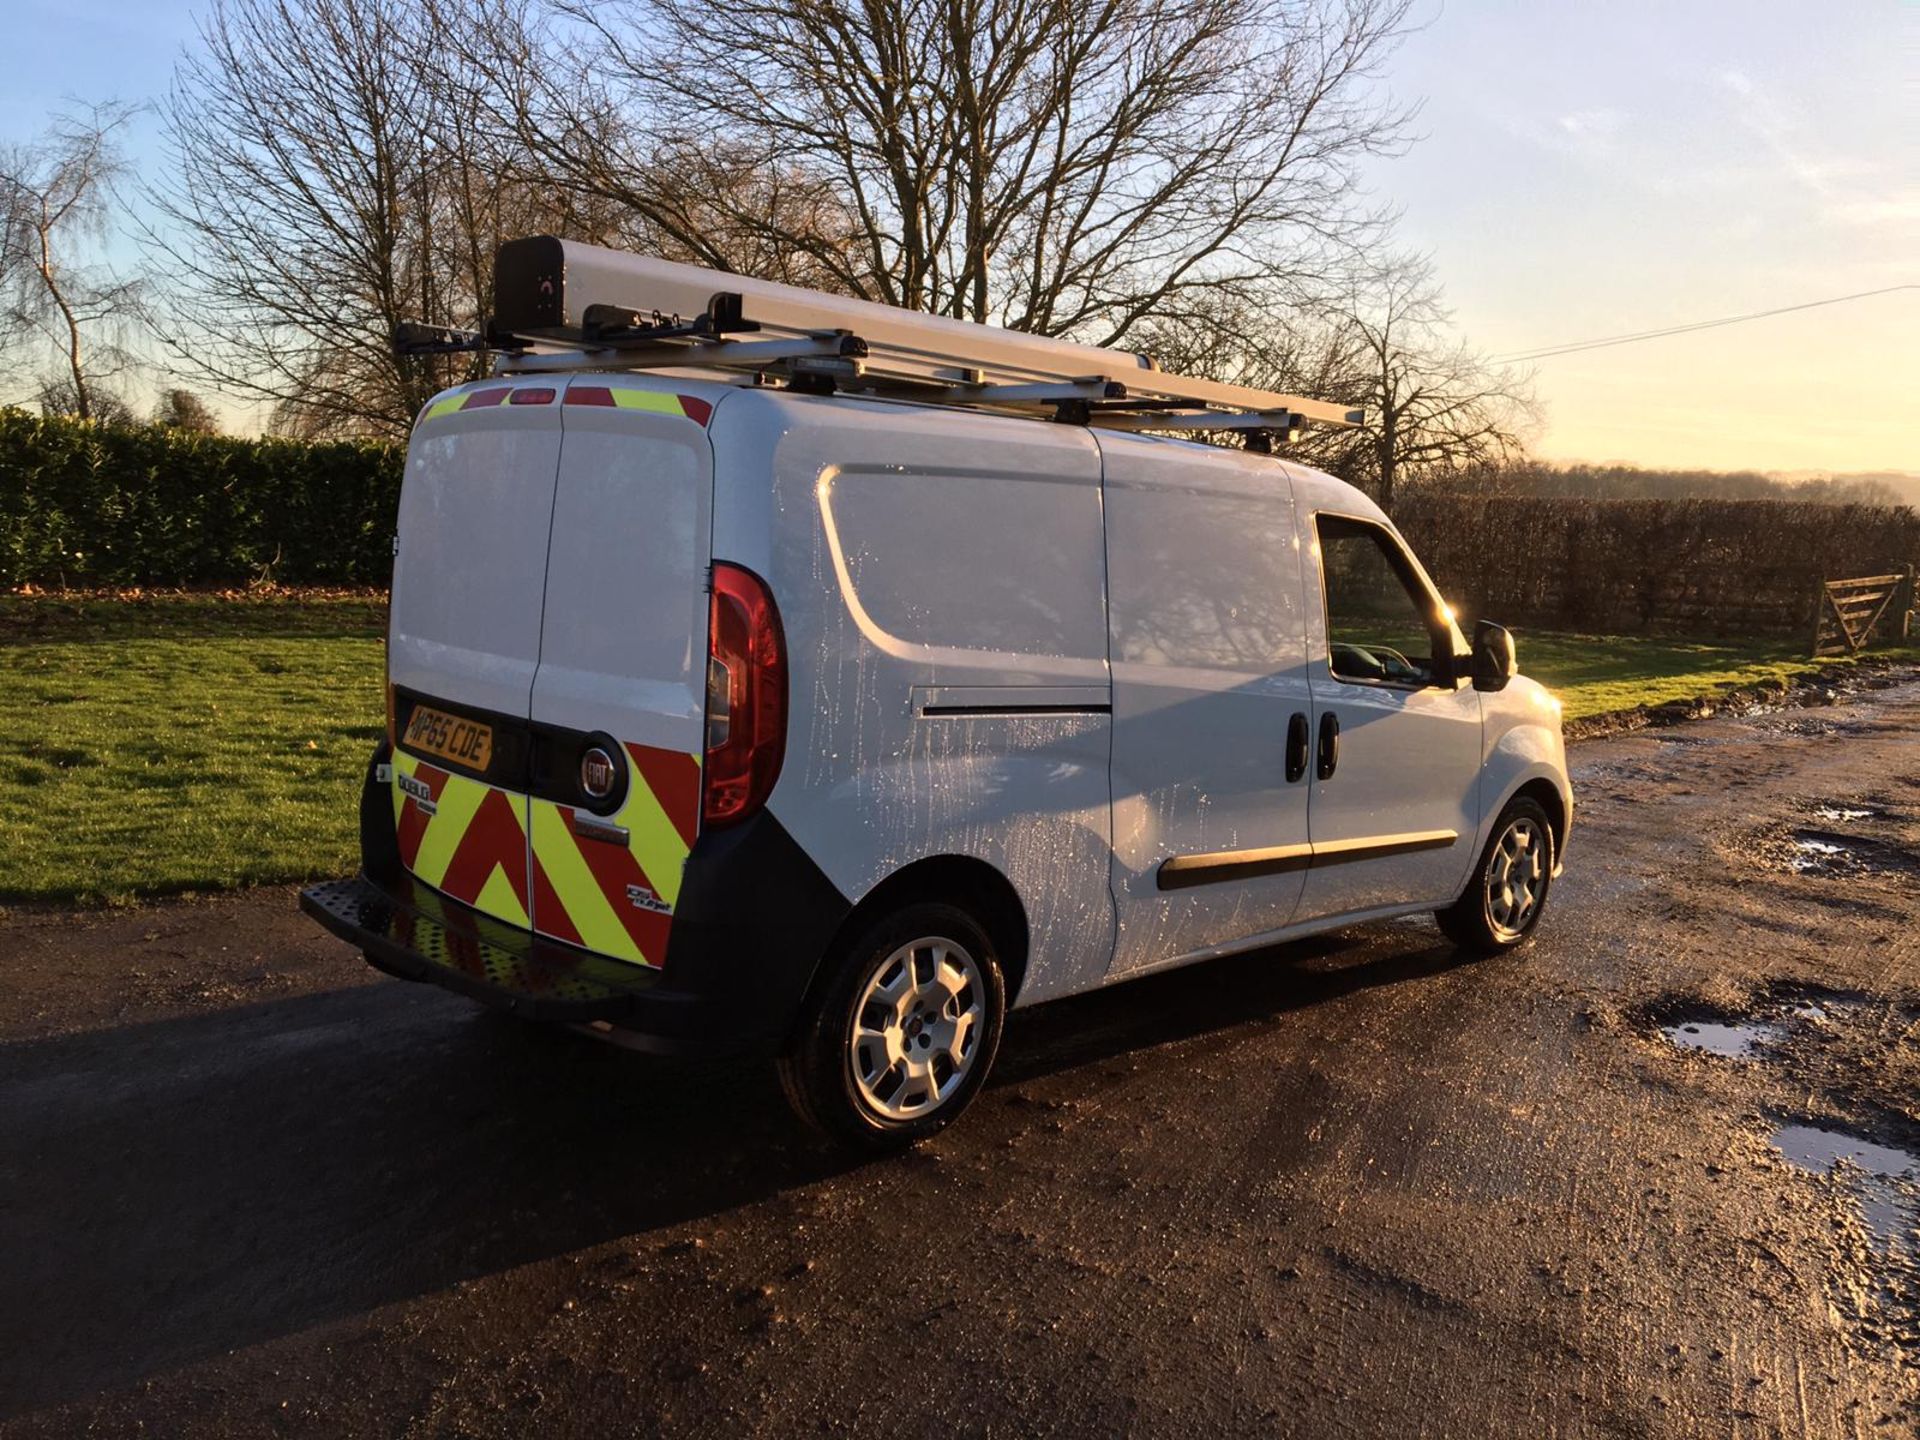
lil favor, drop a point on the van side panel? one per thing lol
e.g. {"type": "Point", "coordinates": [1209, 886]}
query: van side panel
{"type": "Point", "coordinates": [941, 580]}
{"type": "Point", "coordinates": [1209, 671]}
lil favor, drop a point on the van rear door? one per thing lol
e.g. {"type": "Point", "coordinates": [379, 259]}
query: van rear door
{"type": "Point", "coordinates": [464, 636]}
{"type": "Point", "coordinates": [619, 696]}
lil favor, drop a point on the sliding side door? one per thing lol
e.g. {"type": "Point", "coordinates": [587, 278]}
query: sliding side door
{"type": "Point", "coordinates": [1209, 689]}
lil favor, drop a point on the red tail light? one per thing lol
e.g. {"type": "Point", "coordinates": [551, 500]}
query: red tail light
{"type": "Point", "coordinates": [746, 697]}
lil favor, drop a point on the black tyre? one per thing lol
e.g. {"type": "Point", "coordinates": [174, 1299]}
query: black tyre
{"type": "Point", "coordinates": [1508, 892]}
{"type": "Point", "coordinates": [902, 1034]}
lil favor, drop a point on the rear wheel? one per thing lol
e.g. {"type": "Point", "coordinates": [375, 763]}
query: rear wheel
{"type": "Point", "coordinates": [902, 1035]}
{"type": "Point", "coordinates": [1508, 892]}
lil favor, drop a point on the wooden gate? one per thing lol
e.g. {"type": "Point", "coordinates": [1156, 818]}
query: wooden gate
{"type": "Point", "coordinates": [1848, 614]}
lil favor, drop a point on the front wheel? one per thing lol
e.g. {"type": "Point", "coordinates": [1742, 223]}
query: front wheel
{"type": "Point", "coordinates": [1508, 891]}
{"type": "Point", "coordinates": [904, 1031]}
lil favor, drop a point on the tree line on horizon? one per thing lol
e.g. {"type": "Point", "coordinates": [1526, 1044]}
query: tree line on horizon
{"type": "Point", "coordinates": [1577, 480]}
{"type": "Point", "coordinates": [1173, 176]}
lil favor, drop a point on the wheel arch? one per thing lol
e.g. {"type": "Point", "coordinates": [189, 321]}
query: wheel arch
{"type": "Point", "coordinates": [1547, 795]}
{"type": "Point", "coordinates": [963, 880]}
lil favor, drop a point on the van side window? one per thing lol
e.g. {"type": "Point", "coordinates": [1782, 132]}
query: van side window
{"type": "Point", "coordinates": [1381, 624]}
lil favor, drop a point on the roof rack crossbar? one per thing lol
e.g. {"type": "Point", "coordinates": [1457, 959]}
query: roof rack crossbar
{"type": "Point", "coordinates": [411, 337]}
{"type": "Point", "coordinates": [1279, 421]}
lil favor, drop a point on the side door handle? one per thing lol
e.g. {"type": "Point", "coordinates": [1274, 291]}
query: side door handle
{"type": "Point", "coordinates": [1296, 747]}
{"type": "Point", "coordinates": [1329, 757]}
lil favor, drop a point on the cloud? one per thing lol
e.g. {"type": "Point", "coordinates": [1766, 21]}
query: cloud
{"type": "Point", "coordinates": [1849, 188]}
{"type": "Point", "coordinates": [1597, 124]}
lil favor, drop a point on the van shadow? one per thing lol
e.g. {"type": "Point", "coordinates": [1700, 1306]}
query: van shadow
{"type": "Point", "coordinates": [193, 1186]}
{"type": "Point", "coordinates": [1215, 997]}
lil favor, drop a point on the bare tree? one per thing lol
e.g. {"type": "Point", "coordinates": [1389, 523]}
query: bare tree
{"type": "Point", "coordinates": [1434, 408]}
{"type": "Point", "coordinates": [56, 197]}
{"type": "Point", "coordinates": [56, 396]}
{"type": "Point", "coordinates": [696, 193]}
{"type": "Point", "coordinates": [1433, 404]}
{"type": "Point", "coordinates": [1123, 171]}
{"type": "Point", "coordinates": [1064, 166]}
{"type": "Point", "coordinates": [1270, 342]}
{"type": "Point", "coordinates": [331, 177]}
{"type": "Point", "coordinates": [183, 410]}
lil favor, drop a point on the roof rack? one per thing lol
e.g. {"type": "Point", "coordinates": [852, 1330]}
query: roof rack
{"type": "Point", "coordinates": [560, 305]}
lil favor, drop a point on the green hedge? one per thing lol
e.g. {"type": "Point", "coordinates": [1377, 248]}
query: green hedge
{"type": "Point", "coordinates": [1613, 567]}
{"type": "Point", "coordinates": [84, 504]}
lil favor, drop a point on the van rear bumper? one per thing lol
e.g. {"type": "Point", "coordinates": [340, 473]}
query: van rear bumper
{"type": "Point", "coordinates": [754, 918]}
{"type": "Point", "coordinates": [412, 932]}
{"type": "Point", "coordinates": [415, 933]}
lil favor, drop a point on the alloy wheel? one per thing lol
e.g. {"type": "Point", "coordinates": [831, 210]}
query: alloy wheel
{"type": "Point", "coordinates": [916, 1028]}
{"type": "Point", "coordinates": [1516, 877]}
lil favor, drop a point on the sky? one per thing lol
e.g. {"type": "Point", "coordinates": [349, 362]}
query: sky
{"type": "Point", "coordinates": [1582, 170]}
{"type": "Point", "coordinates": [1591, 170]}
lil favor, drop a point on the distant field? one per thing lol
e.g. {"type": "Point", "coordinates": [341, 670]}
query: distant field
{"type": "Point", "coordinates": [152, 745]}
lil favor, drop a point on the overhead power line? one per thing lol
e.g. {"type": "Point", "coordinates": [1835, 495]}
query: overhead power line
{"type": "Point", "coordinates": [1572, 347]}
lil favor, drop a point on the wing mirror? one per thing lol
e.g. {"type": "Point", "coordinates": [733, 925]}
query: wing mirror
{"type": "Point", "coordinates": [1493, 658]}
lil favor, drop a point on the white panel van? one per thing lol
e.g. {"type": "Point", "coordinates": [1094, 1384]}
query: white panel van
{"type": "Point", "coordinates": [733, 716]}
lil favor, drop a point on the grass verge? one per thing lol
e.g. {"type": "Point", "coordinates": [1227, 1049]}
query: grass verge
{"type": "Point", "coordinates": [153, 744]}
{"type": "Point", "coordinates": [158, 744]}
{"type": "Point", "coordinates": [1600, 674]}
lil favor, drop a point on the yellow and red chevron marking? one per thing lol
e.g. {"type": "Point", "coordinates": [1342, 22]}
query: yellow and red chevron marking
{"type": "Point", "coordinates": [690, 407]}
{"type": "Point", "coordinates": [473, 846]}
{"type": "Point", "coordinates": [611, 898]}
{"type": "Point", "coordinates": [620, 398]}
{"type": "Point", "coordinates": [489, 397]}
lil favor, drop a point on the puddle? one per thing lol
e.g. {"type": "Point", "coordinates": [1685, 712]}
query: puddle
{"type": "Point", "coordinates": [1833, 813]}
{"type": "Point", "coordinates": [1826, 852]}
{"type": "Point", "coordinates": [1815, 856]}
{"type": "Point", "coordinates": [1875, 1174]}
{"type": "Point", "coordinates": [1777, 1021]}
{"type": "Point", "coordinates": [1734, 1042]}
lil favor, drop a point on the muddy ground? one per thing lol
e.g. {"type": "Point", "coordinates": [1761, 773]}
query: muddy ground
{"type": "Point", "coordinates": [1644, 1178]}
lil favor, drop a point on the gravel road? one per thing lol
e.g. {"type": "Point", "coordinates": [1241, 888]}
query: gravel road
{"type": "Point", "coordinates": [1644, 1178]}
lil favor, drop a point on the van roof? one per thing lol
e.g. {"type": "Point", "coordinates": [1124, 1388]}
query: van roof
{"type": "Point", "coordinates": [718, 388]}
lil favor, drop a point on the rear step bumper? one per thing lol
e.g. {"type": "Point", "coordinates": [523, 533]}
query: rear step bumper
{"type": "Point", "coordinates": [414, 933]}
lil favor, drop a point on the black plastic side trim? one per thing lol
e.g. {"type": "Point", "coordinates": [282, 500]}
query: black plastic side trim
{"type": "Point", "coordinates": [752, 922]}
{"type": "Point", "coordinates": [1183, 871]}
{"type": "Point", "coordinates": [379, 845]}
{"type": "Point", "coordinates": [531, 757]}
{"type": "Point", "coordinates": [1345, 852]}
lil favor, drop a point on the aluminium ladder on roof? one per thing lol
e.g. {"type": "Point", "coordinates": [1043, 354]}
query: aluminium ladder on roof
{"type": "Point", "coordinates": [608, 309]}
